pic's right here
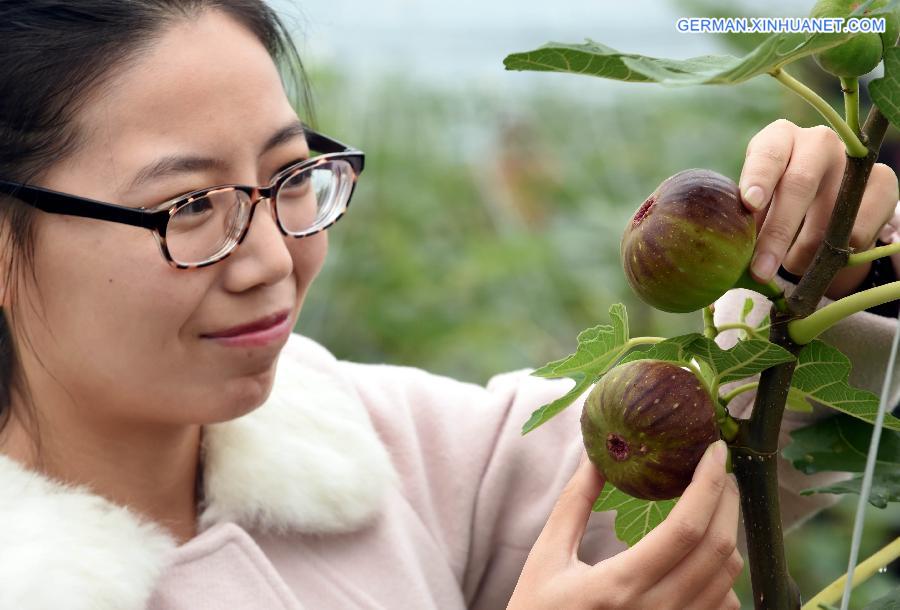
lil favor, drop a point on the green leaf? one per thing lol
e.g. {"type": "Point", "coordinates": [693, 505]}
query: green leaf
{"type": "Point", "coordinates": [545, 412]}
{"type": "Point", "coordinates": [748, 307]}
{"type": "Point", "coordinates": [706, 372]}
{"type": "Point", "coordinates": [670, 350]}
{"type": "Point", "coordinates": [598, 350]}
{"type": "Point", "coordinates": [885, 91]}
{"type": "Point", "coordinates": [596, 59]}
{"type": "Point", "coordinates": [743, 360]}
{"type": "Point", "coordinates": [634, 517]}
{"type": "Point", "coordinates": [885, 487]}
{"type": "Point", "coordinates": [840, 443]}
{"type": "Point", "coordinates": [891, 601]}
{"type": "Point", "coordinates": [821, 375]}
{"type": "Point", "coordinates": [796, 401]}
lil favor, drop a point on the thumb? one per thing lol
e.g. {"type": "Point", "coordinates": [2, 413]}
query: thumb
{"type": "Point", "coordinates": [565, 526]}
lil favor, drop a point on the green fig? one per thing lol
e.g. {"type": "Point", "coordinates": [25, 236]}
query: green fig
{"type": "Point", "coordinates": [689, 242]}
{"type": "Point", "coordinates": [861, 53]}
{"type": "Point", "coordinates": [645, 425]}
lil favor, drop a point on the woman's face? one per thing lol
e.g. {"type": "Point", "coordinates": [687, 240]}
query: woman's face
{"type": "Point", "coordinates": [120, 330]}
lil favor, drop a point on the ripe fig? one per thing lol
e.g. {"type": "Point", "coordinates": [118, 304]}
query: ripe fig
{"type": "Point", "coordinates": [689, 243]}
{"type": "Point", "coordinates": [861, 53]}
{"type": "Point", "coordinates": [645, 425]}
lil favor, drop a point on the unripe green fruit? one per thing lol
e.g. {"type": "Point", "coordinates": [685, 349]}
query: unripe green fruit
{"type": "Point", "coordinates": [645, 425]}
{"type": "Point", "coordinates": [862, 52]}
{"type": "Point", "coordinates": [689, 243]}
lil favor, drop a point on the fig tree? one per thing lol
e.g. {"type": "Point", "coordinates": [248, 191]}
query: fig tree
{"type": "Point", "coordinates": [645, 425]}
{"type": "Point", "coordinates": [689, 243]}
{"type": "Point", "coordinates": [861, 53]}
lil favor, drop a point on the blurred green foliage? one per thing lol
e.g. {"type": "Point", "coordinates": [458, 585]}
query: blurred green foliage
{"type": "Point", "coordinates": [484, 233]}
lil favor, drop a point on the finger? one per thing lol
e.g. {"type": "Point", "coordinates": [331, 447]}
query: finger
{"type": "Point", "coordinates": [875, 210]}
{"type": "Point", "coordinates": [708, 572]}
{"type": "Point", "coordinates": [714, 557]}
{"type": "Point", "coordinates": [768, 153]}
{"type": "Point", "coordinates": [562, 534]}
{"type": "Point", "coordinates": [877, 207]}
{"type": "Point", "coordinates": [812, 231]}
{"type": "Point", "coordinates": [679, 533]}
{"type": "Point", "coordinates": [731, 602]}
{"type": "Point", "coordinates": [793, 196]}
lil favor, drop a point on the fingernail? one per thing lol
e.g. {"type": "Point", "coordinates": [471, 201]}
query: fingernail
{"type": "Point", "coordinates": [764, 266]}
{"type": "Point", "coordinates": [754, 196]}
{"type": "Point", "coordinates": [721, 452]}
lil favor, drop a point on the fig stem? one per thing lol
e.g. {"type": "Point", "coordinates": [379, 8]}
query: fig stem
{"type": "Point", "coordinates": [728, 426]}
{"type": "Point", "coordinates": [709, 326]}
{"type": "Point", "coordinates": [804, 330]}
{"type": "Point", "coordinates": [770, 289]}
{"type": "Point", "coordinates": [855, 147]}
{"type": "Point", "coordinates": [832, 593]}
{"type": "Point", "coordinates": [867, 256]}
{"type": "Point", "coordinates": [850, 87]}
{"type": "Point", "coordinates": [728, 397]}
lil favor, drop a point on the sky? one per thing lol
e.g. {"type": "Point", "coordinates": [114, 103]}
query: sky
{"type": "Point", "coordinates": [466, 40]}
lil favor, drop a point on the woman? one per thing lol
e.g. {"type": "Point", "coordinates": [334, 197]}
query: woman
{"type": "Point", "coordinates": [169, 444]}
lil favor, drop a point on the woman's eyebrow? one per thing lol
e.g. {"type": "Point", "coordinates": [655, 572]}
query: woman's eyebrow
{"type": "Point", "coordinates": [177, 164]}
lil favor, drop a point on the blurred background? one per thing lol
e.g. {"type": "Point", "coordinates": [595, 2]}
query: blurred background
{"type": "Point", "coordinates": [484, 234]}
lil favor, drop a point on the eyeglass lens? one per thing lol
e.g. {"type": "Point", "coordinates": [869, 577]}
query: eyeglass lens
{"type": "Point", "coordinates": [307, 201]}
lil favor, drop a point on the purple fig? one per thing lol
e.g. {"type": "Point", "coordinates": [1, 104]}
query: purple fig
{"type": "Point", "coordinates": [645, 425]}
{"type": "Point", "coordinates": [689, 243]}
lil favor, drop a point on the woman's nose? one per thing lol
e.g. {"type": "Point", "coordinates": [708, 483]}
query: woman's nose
{"type": "Point", "coordinates": [263, 256]}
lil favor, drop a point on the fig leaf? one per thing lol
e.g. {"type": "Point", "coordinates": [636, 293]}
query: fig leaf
{"type": "Point", "coordinates": [598, 350]}
{"type": "Point", "coordinates": [821, 375]}
{"type": "Point", "coordinates": [840, 443]}
{"type": "Point", "coordinates": [595, 59]}
{"type": "Point", "coordinates": [670, 350]}
{"type": "Point", "coordinates": [634, 517]}
{"type": "Point", "coordinates": [885, 487]}
{"type": "Point", "coordinates": [796, 401]}
{"type": "Point", "coordinates": [891, 601]}
{"type": "Point", "coordinates": [745, 359]}
{"type": "Point", "coordinates": [717, 366]}
{"type": "Point", "coordinates": [885, 91]}
{"type": "Point", "coordinates": [745, 311]}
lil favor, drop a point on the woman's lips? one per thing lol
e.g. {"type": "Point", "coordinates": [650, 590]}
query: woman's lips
{"type": "Point", "coordinates": [255, 334]}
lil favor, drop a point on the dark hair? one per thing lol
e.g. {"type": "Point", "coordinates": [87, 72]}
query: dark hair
{"type": "Point", "coordinates": [54, 54]}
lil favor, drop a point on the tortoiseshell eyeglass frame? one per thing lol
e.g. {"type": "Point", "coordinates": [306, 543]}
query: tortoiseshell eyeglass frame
{"type": "Point", "coordinates": [156, 218]}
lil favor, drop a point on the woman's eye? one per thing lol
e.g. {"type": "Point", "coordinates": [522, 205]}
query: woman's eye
{"type": "Point", "coordinates": [196, 207]}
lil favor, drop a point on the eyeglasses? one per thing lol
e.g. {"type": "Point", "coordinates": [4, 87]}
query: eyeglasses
{"type": "Point", "coordinates": [204, 226]}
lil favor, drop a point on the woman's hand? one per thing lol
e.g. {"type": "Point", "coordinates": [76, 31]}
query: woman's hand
{"type": "Point", "coordinates": [790, 180]}
{"type": "Point", "coordinates": [688, 562]}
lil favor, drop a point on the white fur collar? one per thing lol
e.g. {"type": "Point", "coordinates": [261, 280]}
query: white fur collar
{"type": "Point", "coordinates": [307, 460]}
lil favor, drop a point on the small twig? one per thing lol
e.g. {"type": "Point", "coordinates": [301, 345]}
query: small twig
{"type": "Point", "coordinates": [850, 87]}
{"type": "Point", "coordinates": [832, 593]}
{"type": "Point", "coordinates": [855, 148]}
{"type": "Point", "coordinates": [728, 397]}
{"type": "Point", "coordinates": [867, 256]}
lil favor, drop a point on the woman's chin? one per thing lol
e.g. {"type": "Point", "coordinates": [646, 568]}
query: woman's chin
{"type": "Point", "coordinates": [239, 397]}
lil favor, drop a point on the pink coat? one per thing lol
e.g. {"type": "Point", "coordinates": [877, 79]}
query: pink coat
{"type": "Point", "coordinates": [355, 486]}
